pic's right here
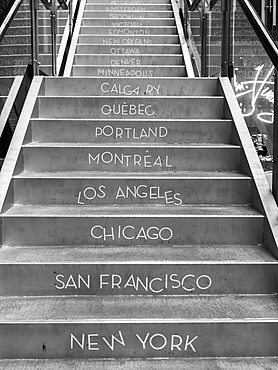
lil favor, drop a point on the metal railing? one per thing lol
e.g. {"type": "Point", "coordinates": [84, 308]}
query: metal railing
{"type": "Point", "coordinates": [232, 41]}
{"type": "Point", "coordinates": [40, 31]}
{"type": "Point", "coordinates": [30, 44]}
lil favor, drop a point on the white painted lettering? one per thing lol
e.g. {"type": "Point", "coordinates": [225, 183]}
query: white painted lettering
{"type": "Point", "coordinates": [100, 232]}
{"type": "Point", "coordinates": [189, 343]}
{"type": "Point", "coordinates": [143, 341]}
{"type": "Point", "coordinates": [113, 340]}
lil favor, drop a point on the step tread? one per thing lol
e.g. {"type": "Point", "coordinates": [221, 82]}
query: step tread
{"type": "Point", "coordinates": [135, 211]}
{"type": "Point", "coordinates": [126, 45]}
{"type": "Point", "coordinates": [179, 309]}
{"type": "Point", "coordinates": [145, 55]}
{"type": "Point", "coordinates": [130, 27]}
{"type": "Point", "coordinates": [128, 145]}
{"type": "Point", "coordinates": [139, 97]}
{"type": "Point", "coordinates": [154, 66]}
{"type": "Point", "coordinates": [138, 120]}
{"type": "Point", "coordinates": [177, 254]}
{"type": "Point", "coordinates": [113, 56]}
{"type": "Point", "coordinates": [220, 363]}
{"type": "Point", "coordinates": [123, 175]}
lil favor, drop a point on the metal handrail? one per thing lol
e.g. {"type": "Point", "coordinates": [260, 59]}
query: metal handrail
{"type": "Point", "coordinates": [9, 17]}
{"type": "Point", "coordinates": [193, 4]}
{"type": "Point", "coordinates": [212, 4]}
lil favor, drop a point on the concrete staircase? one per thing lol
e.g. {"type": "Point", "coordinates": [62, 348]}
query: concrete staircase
{"type": "Point", "coordinates": [136, 223]}
{"type": "Point", "coordinates": [127, 39]}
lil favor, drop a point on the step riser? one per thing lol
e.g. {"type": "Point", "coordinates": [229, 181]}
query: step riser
{"type": "Point", "coordinates": [113, 131]}
{"type": "Point", "coordinates": [127, 7]}
{"type": "Point", "coordinates": [42, 12]}
{"type": "Point", "coordinates": [215, 22]}
{"type": "Point", "coordinates": [242, 50]}
{"type": "Point", "coordinates": [16, 61]}
{"type": "Point", "coordinates": [19, 39]}
{"type": "Point", "coordinates": [134, 50]}
{"type": "Point", "coordinates": [137, 279]}
{"type": "Point", "coordinates": [127, 71]}
{"type": "Point", "coordinates": [85, 340]}
{"type": "Point", "coordinates": [25, 22]}
{"type": "Point", "coordinates": [128, 14]}
{"type": "Point", "coordinates": [126, 2]}
{"type": "Point", "coordinates": [129, 87]}
{"type": "Point", "coordinates": [127, 61]}
{"type": "Point", "coordinates": [137, 159]}
{"type": "Point", "coordinates": [128, 108]}
{"type": "Point", "coordinates": [23, 40]}
{"type": "Point", "coordinates": [132, 191]}
{"type": "Point", "coordinates": [141, 230]}
{"type": "Point", "coordinates": [128, 40]}
{"type": "Point", "coordinates": [131, 31]}
{"type": "Point", "coordinates": [239, 40]}
{"type": "Point", "coordinates": [23, 49]}
{"type": "Point", "coordinates": [128, 22]}
{"type": "Point", "coordinates": [244, 70]}
{"type": "Point", "coordinates": [26, 30]}
{"type": "Point", "coordinates": [13, 71]}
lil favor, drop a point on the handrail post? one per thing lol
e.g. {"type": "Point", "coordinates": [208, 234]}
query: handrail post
{"type": "Point", "coordinates": [204, 23]}
{"type": "Point", "coordinates": [275, 140]}
{"type": "Point", "coordinates": [53, 19]}
{"type": "Point", "coordinates": [269, 14]}
{"type": "Point", "coordinates": [225, 40]}
{"type": "Point", "coordinates": [34, 6]}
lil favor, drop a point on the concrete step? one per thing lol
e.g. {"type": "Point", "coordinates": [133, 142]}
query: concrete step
{"type": "Point", "coordinates": [18, 60]}
{"type": "Point", "coordinates": [25, 22]}
{"type": "Point", "coordinates": [81, 86]}
{"type": "Point", "coordinates": [216, 21]}
{"type": "Point", "coordinates": [67, 327]}
{"type": "Point", "coordinates": [131, 7]}
{"type": "Point", "coordinates": [23, 39]}
{"type": "Point", "coordinates": [129, 31]}
{"type": "Point", "coordinates": [19, 70]}
{"type": "Point", "coordinates": [241, 50]}
{"type": "Point", "coordinates": [130, 158]}
{"type": "Point", "coordinates": [232, 363]}
{"type": "Point", "coordinates": [161, 271]}
{"type": "Point", "coordinates": [132, 131]}
{"type": "Point", "coordinates": [15, 31]}
{"type": "Point", "coordinates": [150, 225]}
{"type": "Point", "coordinates": [88, 189]}
{"type": "Point", "coordinates": [127, 49]}
{"type": "Point", "coordinates": [127, 309]}
{"type": "Point", "coordinates": [217, 32]}
{"type": "Point", "coordinates": [42, 12]}
{"type": "Point", "coordinates": [128, 40]}
{"type": "Point", "coordinates": [127, 60]}
{"type": "Point", "coordinates": [21, 49]}
{"type": "Point", "coordinates": [128, 22]}
{"type": "Point", "coordinates": [128, 71]}
{"type": "Point", "coordinates": [237, 40]}
{"type": "Point", "coordinates": [244, 60]}
{"type": "Point", "coordinates": [145, 108]}
{"type": "Point", "coordinates": [13, 70]}
{"type": "Point", "coordinates": [128, 2]}
{"type": "Point", "coordinates": [128, 14]}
